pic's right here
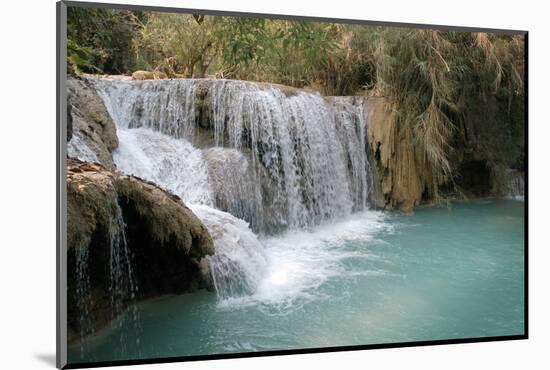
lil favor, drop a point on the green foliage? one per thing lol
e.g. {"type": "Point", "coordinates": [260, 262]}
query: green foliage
{"type": "Point", "coordinates": [242, 41]}
{"type": "Point", "coordinates": [102, 38]}
{"type": "Point", "coordinates": [285, 52]}
{"type": "Point", "coordinates": [80, 58]}
{"type": "Point", "coordinates": [297, 57]}
{"type": "Point", "coordinates": [180, 45]}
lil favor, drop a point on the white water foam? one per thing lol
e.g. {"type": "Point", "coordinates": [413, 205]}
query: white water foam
{"type": "Point", "coordinates": [174, 164]}
{"type": "Point", "coordinates": [300, 261]}
{"type": "Point", "coordinates": [240, 261]}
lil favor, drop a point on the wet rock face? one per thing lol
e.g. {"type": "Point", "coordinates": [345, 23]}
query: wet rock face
{"type": "Point", "coordinates": [235, 187]}
{"type": "Point", "coordinates": [91, 133]}
{"type": "Point", "coordinates": [165, 242]}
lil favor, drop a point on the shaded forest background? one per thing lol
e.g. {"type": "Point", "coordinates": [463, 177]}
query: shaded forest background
{"type": "Point", "coordinates": [454, 94]}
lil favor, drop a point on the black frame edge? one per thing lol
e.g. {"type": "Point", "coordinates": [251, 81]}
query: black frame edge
{"type": "Point", "coordinates": [526, 187]}
{"type": "Point", "coordinates": [302, 351]}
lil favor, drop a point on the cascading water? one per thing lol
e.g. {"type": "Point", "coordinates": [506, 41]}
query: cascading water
{"type": "Point", "coordinates": [281, 179]}
{"type": "Point", "coordinates": [351, 121]}
{"type": "Point", "coordinates": [239, 262]}
{"type": "Point", "coordinates": [307, 157]}
{"type": "Point", "coordinates": [83, 293]}
{"type": "Point", "coordinates": [123, 285]}
{"type": "Point", "coordinates": [173, 164]}
{"type": "Point", "coordinates": [516, 185]}
{"type": "Point", "coordinates": [274, 157]}
{"type": "Point", "coordinates": [78, 148]}
{"type": "Point", "coordinates": [179, 167]}
{"type": "Point", "coordinates": [231, 178]}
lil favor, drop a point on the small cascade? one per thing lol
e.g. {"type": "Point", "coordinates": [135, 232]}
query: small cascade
{"type": "Point", "coordinates": [120, 285]}
{"type": "Point", "coordinates": [239, 262]}
{"type": "Point", "coordinates": [351, 127]}
{"type": "Point", "coordinates": [165, 106]}
{"type": "Point", "coordinates": [173, 164]}
{"type": "Point", "coordinates": [83, 294]}
{"type": "Point", "coordinates": [123, 286]}
{"type": "Point", "coordinates": [516, 185]}
{"type": "Point", "coordinates": [79, 149]}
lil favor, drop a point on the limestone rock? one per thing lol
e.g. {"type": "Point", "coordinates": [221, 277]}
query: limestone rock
{"type": "Point", "coordinates": [165, 240]}
{"type": "Point", "coordinates": [396, 171]}
{"type": "Point", "coordinates": [91, 133]}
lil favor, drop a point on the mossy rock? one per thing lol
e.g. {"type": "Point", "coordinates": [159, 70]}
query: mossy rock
{"type": "Point", "coordinates": [165, 240]}
{"type": "Point", "coordinates": [166, 218]}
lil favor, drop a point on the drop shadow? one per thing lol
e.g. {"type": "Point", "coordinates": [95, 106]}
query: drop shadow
{"type": "Point", "coordinates": [47, 358]}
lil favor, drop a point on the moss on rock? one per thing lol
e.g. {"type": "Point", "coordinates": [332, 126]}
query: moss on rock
{"type": "Point", "coordinates": [165, 216]}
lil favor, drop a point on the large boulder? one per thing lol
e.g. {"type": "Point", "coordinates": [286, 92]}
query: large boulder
{"type": "Point", "coordinates": [91, 133]}
{"type": "Point", "coordinates": [163, 243]}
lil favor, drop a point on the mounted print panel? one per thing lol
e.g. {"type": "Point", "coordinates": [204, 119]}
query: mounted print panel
{"type": "Point", "coordinates": [237, 185]}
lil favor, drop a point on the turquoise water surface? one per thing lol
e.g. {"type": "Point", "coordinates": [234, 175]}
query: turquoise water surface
{"type": "Point", "coordinates": [441, 273]}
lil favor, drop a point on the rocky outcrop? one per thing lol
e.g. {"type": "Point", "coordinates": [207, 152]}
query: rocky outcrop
{"type": "Point", "coordinates": [165, 242]}
{"type": "Point", "coordinates": [91, 133]}
{"type": "Point", "coordinates": [397, 174]}
{"type": "Point", "coordinates": [402, 175]}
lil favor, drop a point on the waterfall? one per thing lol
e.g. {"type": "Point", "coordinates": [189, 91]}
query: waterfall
{"type": "Point", "coordinates": [246, 158]}
{"type": "Point", "coordinates": [83, 293]}
{"type": "Point", "coordinates": [352, 131]}
{"type": "Point", "coordinates": [516, 185]}
{"type": "Point", "coordinates": [305, 157]}
{"type": "Point", "coordinates": [123, 286]}
{"type": "Point", "coordinates": [78, 148]}
{"type": "Point", "coordinates": [173, 164]}
{"type": "Point", "coordinates": [239, 262]}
